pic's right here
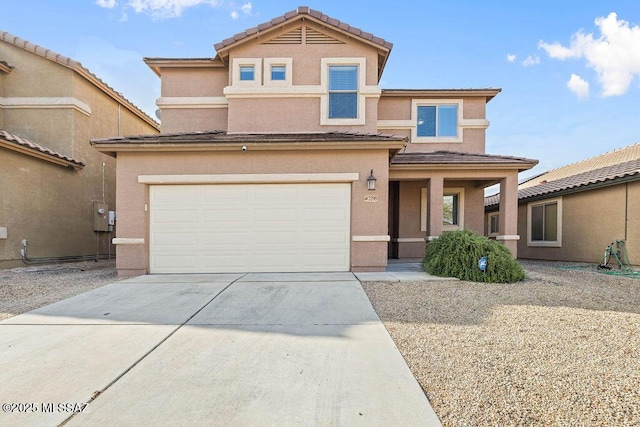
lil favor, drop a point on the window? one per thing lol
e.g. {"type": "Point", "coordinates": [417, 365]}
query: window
{"type": "Point", "coordinates": [278, 72]}
{"type": "Point", "coordinates": [452, 209]}
{"type": "Point", "coordinates": [544, 223]}
{"type": "Point", "coordinates": [343, 92]}
{"type": "Point", "coordinates": [437, 121]}
{"type": "Point", "coordinates": [494, 224]}
{"type": "Point", "coordinates": [247, 72]}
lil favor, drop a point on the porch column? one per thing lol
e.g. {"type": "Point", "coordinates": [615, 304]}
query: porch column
{"type": "Point", "coordinates": [508, 222]}
{"type": "Point", "coordinates": [436, 194]}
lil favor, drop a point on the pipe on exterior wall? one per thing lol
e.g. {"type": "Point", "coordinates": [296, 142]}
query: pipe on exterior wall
{"type": "Point", "coordinates": [626, 209]}
{"type": "Point", "coordinates": [49, 260]}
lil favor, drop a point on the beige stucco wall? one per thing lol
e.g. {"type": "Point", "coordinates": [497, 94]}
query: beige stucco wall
{"type": "Point", "coordinates": [591, 220]}
{"type": "Point", "coordinates": [197, 82]}
{"type": "Point", "coordinates": [50, 205]}
{"type": "Point", "coordinates": [367, 219]}
{"type": "Point", "coordinates": [399, 108]}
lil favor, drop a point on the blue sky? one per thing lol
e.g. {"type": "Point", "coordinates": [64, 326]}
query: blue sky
{"type": "Point", "coordinates": [569, 70]}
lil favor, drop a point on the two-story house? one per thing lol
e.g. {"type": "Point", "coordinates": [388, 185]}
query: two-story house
{"type": "Point", "coordinates": [282, 153]}
{"type": "Point", "coordinates": [56, 191]}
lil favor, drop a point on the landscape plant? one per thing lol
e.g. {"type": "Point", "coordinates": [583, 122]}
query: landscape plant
{"type": "Point", "coordinates": [457, 253]}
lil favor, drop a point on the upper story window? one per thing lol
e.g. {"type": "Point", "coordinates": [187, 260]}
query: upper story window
{"type": "Point", "coordinates": [247, 73]}
{"type": "Point", "coordinates": [343, 91]}
{"type": "Point", "coordinates": [437, 121]}
{"type": "Point", "coordinates": [278, 72]}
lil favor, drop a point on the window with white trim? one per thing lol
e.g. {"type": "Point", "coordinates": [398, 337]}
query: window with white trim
{"type": "Point", "coordinates": [278, 73]}
{"type": "Point", "coordinates": [544, 223]}
{"type": "Point", "coordinates": [436, 120]}
{"type": "Point", "coordinates": [343, 91]}
{"type": "Point", "coordinates": [247, 72]}
{"type": "Point", "coordinates": [452, 209]}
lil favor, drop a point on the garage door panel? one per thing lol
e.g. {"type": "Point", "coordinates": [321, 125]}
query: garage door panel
{"type": "Point", "coordinates": [250, 228]}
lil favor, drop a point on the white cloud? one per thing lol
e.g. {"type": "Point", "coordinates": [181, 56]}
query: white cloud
{"type": "Point", "coordinates": [109, 4]}
{"type": "Point", "coordinates": [246, 8]}
{"type": "Point", "coordinates": [531, 60]}
{"type": "Point", "coordinates": [579, 86]}
{"type": "Point", "coordinates": [615, 55]}
{"type": "Point", "coordinates": [167, 8]}
{"type": "Point", "coordinates": [511, 57]}
{"type": "Point", "coordinates": [234, 15]}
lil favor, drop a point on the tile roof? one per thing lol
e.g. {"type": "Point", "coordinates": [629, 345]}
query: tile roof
{"type": "Point", "coordinates": [12, 139]}
{"type": "Point", "coordinates": [76, 66]}
{"type": "Point", "coordinates": [224, 137]}
{"type": "Point", "coordinates": [304, 11]}
{"type": "Point", "coordinates": [632, 152]}
{"type": "Point", "coordinates": [452, 157]}
{"type": "Point", "coordinates": [615, 166]}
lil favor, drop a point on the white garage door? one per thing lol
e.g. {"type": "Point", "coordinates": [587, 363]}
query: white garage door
{"type": "Point", "coordinates": [249, 228]}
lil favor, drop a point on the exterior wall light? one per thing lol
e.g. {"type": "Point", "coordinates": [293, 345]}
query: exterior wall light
{"type": "Point", "coordinates": [371, 181]}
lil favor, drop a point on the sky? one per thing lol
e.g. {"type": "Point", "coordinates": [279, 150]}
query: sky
{"type": "Point", "coordinates": [569, 70]}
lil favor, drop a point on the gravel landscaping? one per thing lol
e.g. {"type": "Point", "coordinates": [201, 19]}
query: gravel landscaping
{"type": "Point", "coordinates": [560, 348]}
{"type": "Point", "coordinates": [25, 289]}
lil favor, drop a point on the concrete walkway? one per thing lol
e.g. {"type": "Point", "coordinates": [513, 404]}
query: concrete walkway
{"type": "Point", "coordinates": [404, 270]}
{"type": "Point", "coordinates": [254, 349]}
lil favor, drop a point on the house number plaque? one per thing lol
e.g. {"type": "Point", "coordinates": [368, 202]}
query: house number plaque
{"type": "Point", "coordinates": [370, 198]}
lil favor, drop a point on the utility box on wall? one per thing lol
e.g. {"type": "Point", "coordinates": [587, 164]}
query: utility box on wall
{"type": "Point", "coordinates": [100, 216]}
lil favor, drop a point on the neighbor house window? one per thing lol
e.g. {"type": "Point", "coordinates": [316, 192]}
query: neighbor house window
{"type": "Point", "coordinates": [544, 223]}
{"type": "Point", "coordinates": [247, 72]}
{"type": "Point", "coordinates": [452, 209]}
{"type": "Point", "coordinates": [278, 72]}
{"type": "Point", "coordinates": [343, 92]}
{"type": "Point", "coordinates": [437, 121]}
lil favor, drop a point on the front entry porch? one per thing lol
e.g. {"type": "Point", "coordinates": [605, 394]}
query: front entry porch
{"type": "Point", "coordinates": [432, 193]}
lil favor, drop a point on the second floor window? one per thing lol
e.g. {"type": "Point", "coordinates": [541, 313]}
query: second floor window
{"type": "Point", "coordinates": [343, 92]}
{"type": "Point", "coordinates": [278, 72]}
{"type": "Point", "coordinates": [437, 120]}
{"type": "Point", "coordinates": [247, 72]}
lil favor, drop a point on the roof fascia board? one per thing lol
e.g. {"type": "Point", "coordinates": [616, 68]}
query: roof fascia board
{"type": "Point", "coordinates": [40, 155]}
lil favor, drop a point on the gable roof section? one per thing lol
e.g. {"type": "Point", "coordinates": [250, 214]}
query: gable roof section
{"type": "Point", "coordinates": [445, 159]}
{"type": "Point", "coordinates": [221, 140]}
{"type": "Point", "coordinates": [301, 13]}
{"type": "Point", "coordinates": [21, 145]}
{"type": "Point", "coordinates": [78, 68]}
{"type": "Point", "coordinates": [616, 167]}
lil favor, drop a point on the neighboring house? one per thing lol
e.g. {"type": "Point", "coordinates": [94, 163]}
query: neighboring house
{"type": "Point", "coordinates": [572, 213]}
{"type": "Point", "coordinates": [50, 176]}
{"type": "Point", "coordinates": [269, 152]}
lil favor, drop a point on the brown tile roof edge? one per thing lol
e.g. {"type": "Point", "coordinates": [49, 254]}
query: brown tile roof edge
{"type": "Point", "coordinates": [15, 139]}
{"type": "Point", "coordinates": [222, 136]}
{"type": "Point", "coordinates": [581, 181]}
{"type": "Point", "coordinates": [487, 92]}
{"type": "Point", "coordinates": [304, 11]}
{"type": "Point", "coordinates": [454, 157]}
{"type": "Point", "coordinates": [79, 68]}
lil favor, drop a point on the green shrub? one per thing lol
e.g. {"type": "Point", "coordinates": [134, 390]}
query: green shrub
{"type": "Point", "coordinates": [456, 254]}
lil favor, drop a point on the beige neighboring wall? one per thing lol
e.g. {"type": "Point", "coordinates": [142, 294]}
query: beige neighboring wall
{"type": "Point", "coordinates": [591, 220]}
{"type": "Point", "coordinates": [367, 219]}
{"type": "Point", "coordinates": [56, 106]}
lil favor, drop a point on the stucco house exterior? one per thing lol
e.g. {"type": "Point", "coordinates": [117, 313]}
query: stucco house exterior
{"type": "Point", "coordinates": [572, 213]}
{"type": "Point", "coordinates": [282, 153]}
{"type": "Point", "coordinates": [52, 182]}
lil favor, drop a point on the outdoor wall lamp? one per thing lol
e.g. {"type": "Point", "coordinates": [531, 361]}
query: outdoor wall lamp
{"type": "Point", "coordinates": [371, 181]}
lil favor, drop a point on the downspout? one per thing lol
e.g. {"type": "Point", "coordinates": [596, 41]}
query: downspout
{"type": "Point", "coordinates": [626, 209]}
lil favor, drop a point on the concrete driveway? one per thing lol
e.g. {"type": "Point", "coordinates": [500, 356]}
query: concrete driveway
{"type": "Point", "coordinates": [223, 349]}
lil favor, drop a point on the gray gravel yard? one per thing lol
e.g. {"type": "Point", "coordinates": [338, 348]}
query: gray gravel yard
{"type": "Point", "coordinates": [561, 348]}
{"type": "Point", "coordinates": [25, 289]}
